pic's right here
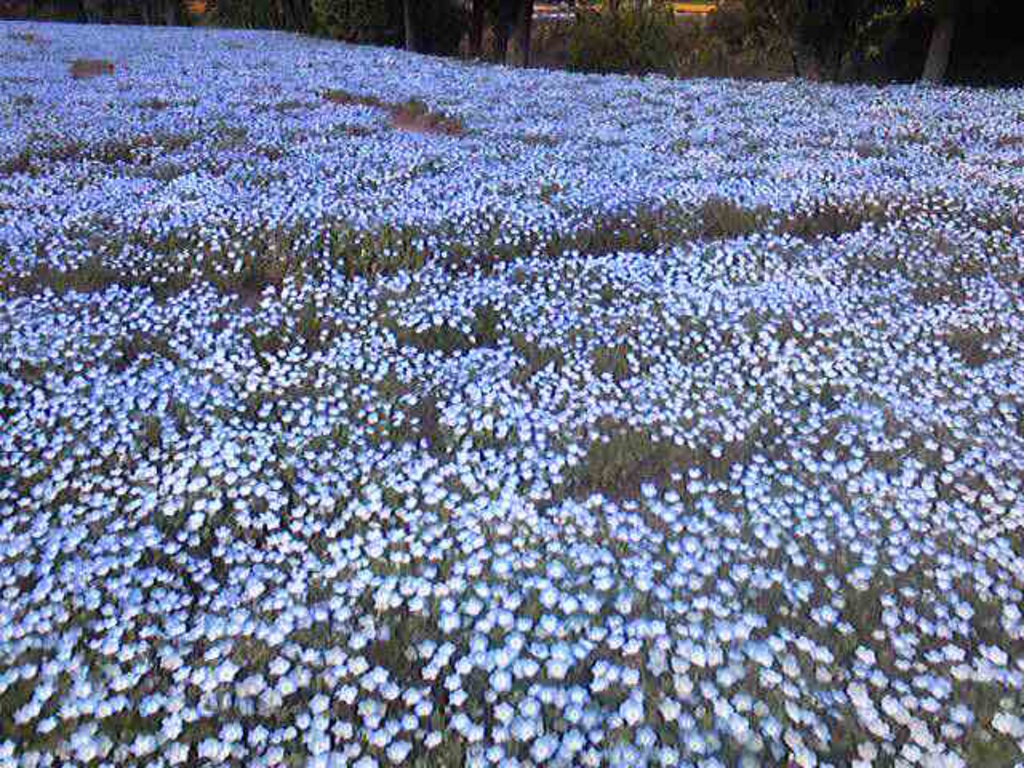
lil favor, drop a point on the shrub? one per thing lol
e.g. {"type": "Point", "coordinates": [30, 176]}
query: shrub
{"type": "Point", "coordinates": [251, 14]}
{"type": "Point", "coordinates": [441, 23]}
{"type": "Point", "coordinates": [734, 42]}
{"type": "Point", "coordinates": [731, 23]}
{"type": "Point", "coordinates": [381, 22]}
{"type": "Point", "coordinates": [362, 21]}
{"type": "Point", "coordinates": [823, 36]}
{"type": "Point", "coordinates": [631, 40]}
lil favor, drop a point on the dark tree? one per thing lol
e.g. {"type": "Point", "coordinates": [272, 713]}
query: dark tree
{"type": "Point", "coordinates": [519, 36]}
{"type": "Point", "coordinates": [411, 21]}
{"type": "Point", "coordinates": [476, 28]}
{"type": "Point", "coordinates": [513, 26]}
{"type": "Point", "coordinates": [822, 33]}
{"type": "Point", "coordinates": [941, 45]}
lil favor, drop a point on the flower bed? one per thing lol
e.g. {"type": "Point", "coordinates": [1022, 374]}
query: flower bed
{"type": "Point", "coordinates": [633, 422]}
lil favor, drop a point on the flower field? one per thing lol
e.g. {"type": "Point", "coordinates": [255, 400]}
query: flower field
{"type": "Point", "coordinates": [364, 409]}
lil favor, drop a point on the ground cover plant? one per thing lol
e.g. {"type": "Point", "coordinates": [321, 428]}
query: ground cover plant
{"type": "Point", "coordinates": [592, 421]}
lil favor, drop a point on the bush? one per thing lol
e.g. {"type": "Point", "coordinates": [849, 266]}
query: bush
{"type": "Point", "coordinates": [243, 13]}
{"type": "Point", "coordinates": [632, 40]}
{"type": "Point", "coordinates": [361, 21]}
{"type": "Point", "coordinates": [732, 24]}
{"type": "Point", "coordinates": [442, 23]}
{"type": "Point", "coordinates": [381, 22]}
{"type": "Point", "coordinates": [168, 12]}
{"type": "Point", "coordinates": [734, 43]}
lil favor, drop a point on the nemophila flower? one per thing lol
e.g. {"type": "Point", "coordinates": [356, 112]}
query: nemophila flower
{"type": "Point", "coordinates": [632, 710]}
{"type": "Point", "coordinates": [433, 739]}
{"type": "Point", "coordinates": [504, 713]}
{"type": "Point", "coordinates": [500, 681]}
{"type": "Point", "coordinates": [319, 704]}
{"type": "Point", "coordinates": [523, 729]}
{"type": "Point", "coordinates": [544, 748]}
{"type": "Point", "coordinates": [398, 751]}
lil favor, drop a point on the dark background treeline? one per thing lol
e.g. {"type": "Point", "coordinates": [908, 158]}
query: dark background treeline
{"type": "Point", "coordinates": [170, 12]}
{"type": "Point", "coordinates": [977, 42]}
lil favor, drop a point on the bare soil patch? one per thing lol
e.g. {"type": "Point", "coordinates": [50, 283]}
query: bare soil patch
{"type": "Point", "coordinates": [86, 68]}
{"type": "Point", "coordinates": [413, 115]}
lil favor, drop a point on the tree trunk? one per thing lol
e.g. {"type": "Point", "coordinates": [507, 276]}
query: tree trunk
{"type": "Point", "coordinates": [295, 16]}
{"type": "Point", "coordinates": [503, 23]}
{"type": "Point", "coordinates": [833, 63]}
{"type": "Point", "coordinates": [412, 42]}
{"type": "Point", "coordinates": [938, 52]}
{"type": "Point", "coordinates": [807, 63]}
{"type": "Point", "coordinates": [476, 30]}
{"type": "Point", "coordinates": [500, 42]}
{"type": "Point", "coordinates": [519, 48]}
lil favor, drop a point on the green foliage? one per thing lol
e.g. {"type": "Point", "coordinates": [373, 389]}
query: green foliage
{"type": "Point", "coordinates": [536, 357]}
{"type": "Point", "coordinates": [363, 21]}
{"type": "Point", "coordinates": [834, 39]}
{"type": "Point", "coordinates": [264, 14]}
{"type": "Point", "coordinates": [314, 327]}
{"type": "Point", "coordinates": [486, 325]}
{"type": "Point", "coordinates": [975, 347]}
{"type": "Point", "coordinates": [630, 40]}
{"type": "Point", "coordinates": [823, 35]}
{"type": "Point", "coordinates": [735, 42]}
{"type": "Point", "coordinates": [624, 456]}
{"type": "Point", "coordinates": [381, 22]}
{"type": "Point", "coordinates": [442, 23]}
{"type": "Point", "coordinates": [484, 331]}
{"type": "Point", "coordinates": [130, 348]}
{"type": "Point", "coordinates": [611, 361]}
{"type": "Point", "coordinates": [721, 218]}
{"type": "Point", "coordinates": [829, 219]}
{"type": "Point", "coordinates": [105, 11]}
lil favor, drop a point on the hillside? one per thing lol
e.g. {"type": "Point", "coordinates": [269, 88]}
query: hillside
{"type": "Point", "coordinates": [362, 408]}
